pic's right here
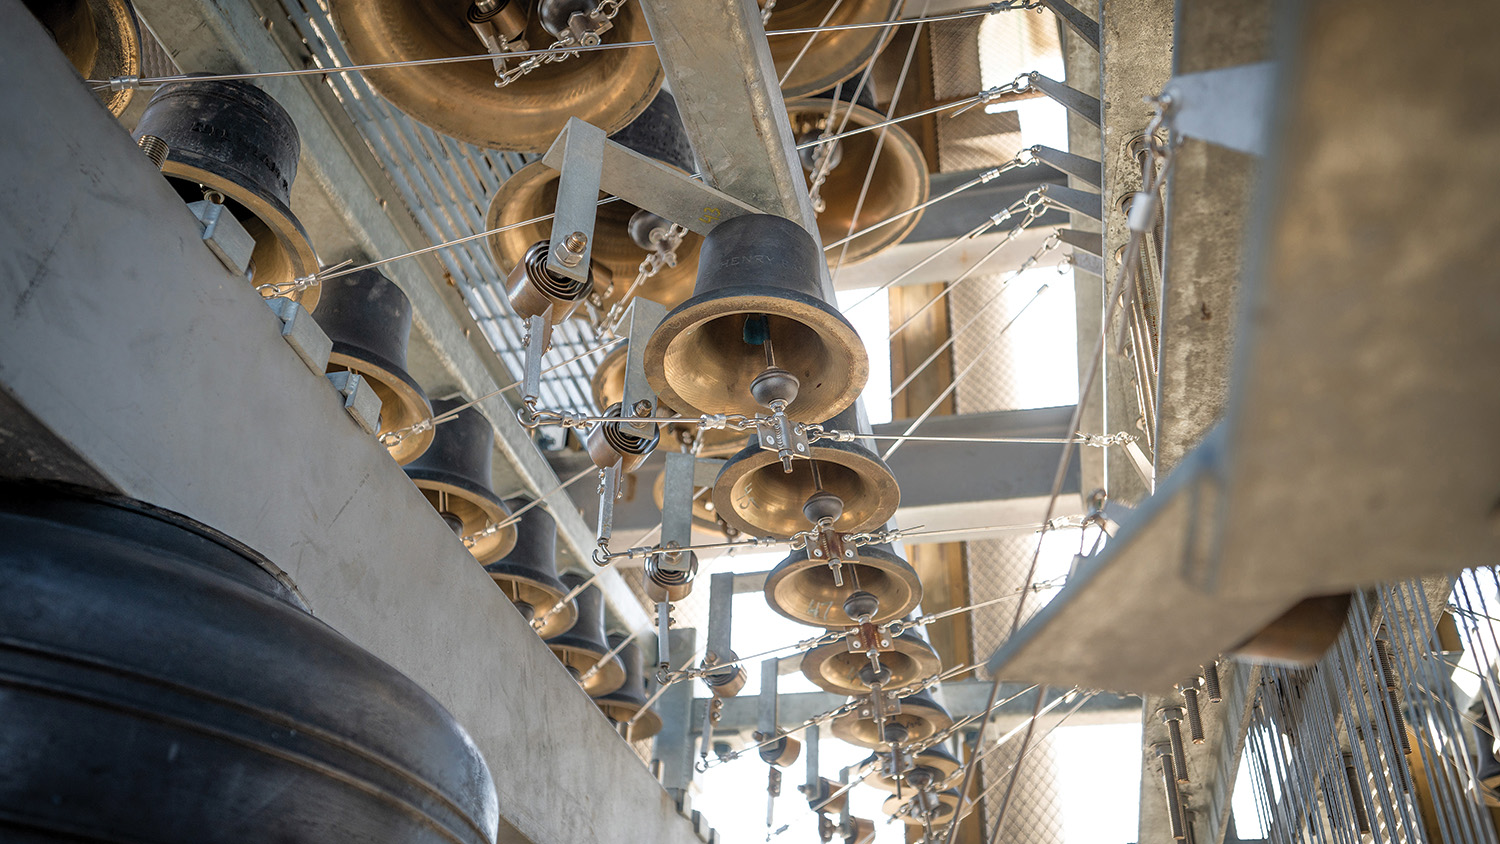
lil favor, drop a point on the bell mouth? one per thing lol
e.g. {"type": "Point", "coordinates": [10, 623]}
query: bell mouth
{"type": "Point", "coordinates": [803, 590]}
{"type": "Point", "coordinates": [695, 359]}
{"type": "Point", "coordinates": [838, 55]}
{"type": "Point", "coordinates": [607, 88]}
{"type": "Point", "coordinates": [540, 593]}
{"type": "Point", "coordinates": [610, 677]}
{"type": "Point", "coordinates": [282, 251]}
{"type": "Point", "coordinates": [477, 509]}
{"type": "Point", "coordinates": [753, 493]}
{"type": "Point", "coordinates": [100, 38]}
{"type": "Point", "coordinates": [532, 192]}
{"type": "Point", "coordinates": [922, 721]}
{"type": "Point", "coordinates": [621, 711]}
{"type": "Point", "coordinates": [900, 180]}
{"type": "Point", "coordinates": [402, 401]}
{"type": "Point", "coordinates": [834, 668]}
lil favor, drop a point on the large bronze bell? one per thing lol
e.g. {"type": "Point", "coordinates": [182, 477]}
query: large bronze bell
{"type": "Point", "coordinates": [368, 319]}
{"type": "Point", "coordinates": [899, 181]}
{"type": "Point", "coordinates": [754, 494]}
{"type": "Point", "coordinates": [757, 307]}
{"type": "Point", "coordinates": [164, 685]}
{"type": "Point", "coordinates": [454, 475]}
{"type": "Point", "coordinates": [229, 139]}
{"type": "Point", "coordinates": [528, 574]}
{"type": "Point", "coordinates": [606, 88]}
{"type": "Point", "coordinates": [622, 231]}
{"type": "Point", "coordinates": [804, 590]}
{"type": "Point", "coordinates": [101, 39]}
{"type": "Point", "coordinates": [834, 668]}
{"type": "Point", "coordinates": [923, 807]}
{"type": "Point", "coordinates": [584, 646]}
{"type": "Point", "coordinates": [935, 764]}
{"type": "Point", "coordinates": [833, 56]}
{"type": "Point", "coordinates": [622, 705]}
{"type": "Point", "coordinates": [920, 718]}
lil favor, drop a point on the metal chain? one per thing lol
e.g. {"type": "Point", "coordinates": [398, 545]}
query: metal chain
{"type": "Point", "coordinates": [663, 253]}
{"type": "Point", "coordinates": [566, 47]}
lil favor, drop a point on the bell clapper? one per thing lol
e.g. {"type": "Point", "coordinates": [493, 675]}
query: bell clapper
{"type": "Point", "coordinates": [823, 509]}
{"type": "Point", "coordinates": [775, 389]}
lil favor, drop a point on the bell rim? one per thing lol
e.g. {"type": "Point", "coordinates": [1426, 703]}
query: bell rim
{"type": "Point", "coordinates": [864, 463]}
{"type": "Point", "coordinates": [496, 545]}
{"type": "Point", "coordinates": [898, 143]}
{"type": "Point", "coordinates": [116, 26]}
{"type": "Point", "coordinates": [610, 677]}
{"type": "Point", "coordinates": [647, 726]}
{"type": "Point", "coordinates": [798, 561]}
{"type": "Point", "coordinates": [407, 391]}
{"type": "Point", "coordinates": [873, 37]}
{"type": "Point", "coordinates": [549, 592]}
{"type": "Point", "coordinates": [277, 216]}
{"type": "Point", "coordinates": [924, 659]}
{"type": "Point", "coordinates": [946, 799]}
{"type": "Point", "coordinates": [934, 719]}
{"type": "Point", "coordinates": [824, 318]}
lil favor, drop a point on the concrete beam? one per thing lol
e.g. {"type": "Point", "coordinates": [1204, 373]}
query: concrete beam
{"type": "Point", "coordinates": [128, 341]}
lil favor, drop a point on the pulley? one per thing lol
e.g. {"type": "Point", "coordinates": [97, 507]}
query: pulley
{"type": "Point", "coordinates": [163, 685]}
{"type": "Point", "coordinates": [756, 495]}
{"type": "Point", "coordinates": [781, 752]}
{"type": "Point", "coordinates": [668, 584]}
{"type": "Point", "coordinates": [830, 57]}
{"type": "Point", "coordinates": [533, 288]}
{"type": "Point", "coordinates": [623, 704]}
{"type": "Point", "coordinates": [920, 717]}
{"type": "Point", "coordinates": [820, 796]}
{"type": "Point", "coordinates": [757, 309]}
{"type": "Point", "coordinates": [935, 763]}
{"type": "Point", "coordinates": [528, 574]}
{"type": "Point", "coordinates": [230, 142]}
{"type": "Point", "coordinates": [454, 476]}
{"type": "Point", "coordinates": [606, 88]}
{"type": "Point", "coordinates": [619, 443]}
{"type": "Point", "coordinates": [834, 668]}
{"type": "Point", "coordinates": [583, 647]}
{"type": "Point", "coordinates": [802, 588]}
{"type": "Point", "coordinates": [924, 807]}
{"type": "Point", "coordinates": [608, 387]}
{"type": "Point", "coordinates": [1300, 636]}
{"type": "Point", "coordinates": [623, 233]}
{"type": "Point", "coordinates": [368, 319]}
{"type": "Point", "coordinates": [897, 182]}
{"type": "Point", "coordinates": [101, 39]}
{"type": "Point", "coordinates": [725, 681]}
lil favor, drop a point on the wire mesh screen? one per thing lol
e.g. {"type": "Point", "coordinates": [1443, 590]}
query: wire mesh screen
{"type": "Point", "coordinates": [992, 384]}
{"type": "Point", "coordinates": [1033, 814]}
{"type": "Point", "coordinates": [974, 139]}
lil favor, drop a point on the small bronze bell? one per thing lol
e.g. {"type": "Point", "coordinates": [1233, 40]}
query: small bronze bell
{"type": "Point", "coordinates": [804, 590]}
{"type": "Point", "coordinates": [454, 475]}
{"type": "Point", "coordinates": [935, 763]}
{"type": "Point", "coordinates": [528, 574]}
{"type": "Point", "coordinates": [101, 39]}
{"type": "Point", "coordinates": [582, 648]}
{"type": "Point", "coordinates": [835, 668]}
{"type": "Point", "coordinates": [830, 57]}
{"type": "Point", "coordinates": [920, 718]}
{"type": "Point", "coordinates": [230, 141]}
{"type": "Point", "coordinates": [622, 232]}
{"type": "Point", "coordinates": [757, 309]}
{"type": "Point", "coordinates": [622, 705]}
{"type": "Point", "coordinates": [368, 319]}
{"type": "Point", "coordinates": [755, 495]}
{"type": "Point", "coordinates": [924, 806]}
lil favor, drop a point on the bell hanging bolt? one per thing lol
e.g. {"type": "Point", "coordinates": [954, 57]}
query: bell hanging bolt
{"type": "Point", "coordinates": [1211, 682]}
{"type": "Point", "coordinates": [570, 253]}
{"type": "Point", "coordinates": [1189, 689]}
{"type": "Point", "coordinates": [1172, 717]}
{"type": "Point", "coordinates": [155, 149]}
{"type": "Point", "coordinates": [1392, 682]}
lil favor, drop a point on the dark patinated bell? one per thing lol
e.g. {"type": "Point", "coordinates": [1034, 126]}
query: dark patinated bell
{"type": "Point", "coordinates": [101, 39]}
{"type": "Point", "coordinates": [583, 647]}
{"type": "Point", "coordinates": [622, 705]}
{"type": "Point", "coordinates": [454, 474]}
{"type": "Point", "coordinates": [920, 718]}
{"type": "Point", "coordinates": [757, 306]}
{"type": "Point", "coordinates": [230, 139]}
{"type": "Point", "coordinates": [528, 574]}
{"type": "Point", "coordinates": [368, 319]}
{"type": "Point", "coordinates": [804, 589]}
{"type": "Point", "coordinates": [163, 685]}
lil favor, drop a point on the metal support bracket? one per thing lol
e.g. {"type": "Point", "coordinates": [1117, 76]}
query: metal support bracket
{"type": "Point", "coordinates": [577, 199]}
{"type": "Point", "coordinates": [677, 509]}
{"type": "Point", "coordinates": [766, 704]}
{"type": "Point", "coordinates": [1090, 242]}
{"type": "Point", "coordinates": [1083, 202]}
{"type": "Point", "coordinates": [609, 487]}
{"type": "Point", "coordinates": [1230, 106]}
{"type": "Point", "coordinates": [224, 236]}
{"type": "Point", "coordinates": [720, 618]}
{"type": "Point", "coordinates": [304, 335]}
{"type": "Point", "coordinates": [643, 318]}
{"type": "Point", "coordinates": [1074, 165]}
{"type": "Point", "coordinates": [359, 399]}
{"type": "Point", "coordinates": [1072, 99]}
{"type": "Point", "coordinates": [538, 338]}
{"type": "Point", "coordinates": [1085, 27]}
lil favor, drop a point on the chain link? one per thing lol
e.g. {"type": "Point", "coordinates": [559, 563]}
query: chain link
{"type": "Point", "coordinates": [664, 243]}
{"type": "Point", "coordinates": [601, 20]}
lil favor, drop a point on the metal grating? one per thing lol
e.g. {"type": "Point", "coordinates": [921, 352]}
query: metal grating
{"type": "Point", "coordinates": [446, 185]}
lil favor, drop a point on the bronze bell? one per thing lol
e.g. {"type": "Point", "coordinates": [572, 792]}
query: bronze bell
{"type": "Point", "coordinates": [368, 319]}
{"type": "Point", "coordinates": [528, 574]}
{"type": "Point", "coordinates": [833, 56]}
{"type": "Point", "coordinates": [899, 181]}
{"type": "Point", "coordinates": [754, 494]}
{"type": "Point", "coordinates": [582, 647]}
{"type": "Point", "coordinates": [1300, 636]}
{"type": "Point", "coordinates": [606, 88]}
{"type": "Point", "coordinates": [101, 39]}
{"type": "Point", "coordinates": [804, 590]}
{"type": "Point", "coordinates": [834, 668]}
{"type": "Point", "coordinates": [622, 232]}
{"type": "Point", "coordinates": [920, 718]}
{"type": "Point", "coordinates": [533, 288]}
{"type": "Point", "coordinates": [936, 763]}
{"type": "Point", "coordinates": [622, 705]}
{"type": "Point", "coordinates": [757, 308]}
{"type": "Point", "coordinates": [924, 806]}
{"type": "Point", "coordinates": [860, 831]}
{"type": "Point", "coordinates": [230, 141]}
{"type": "Point", "coordinates": [454, 475]}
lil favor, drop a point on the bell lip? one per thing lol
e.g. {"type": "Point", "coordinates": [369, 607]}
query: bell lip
{"type": "Point", "coordinates": [620, 711]}
{"type": "Point", "coordinates": [870, 41]}
{"type": "Point", "coordinates": [940, 760]}
{"type": "Point", "coordinates": [406, 389]}
{"type": "Point", "coordinates": [518, 584]}
{"type": "Point", "coordinates": [486, 550]}
{"type": "Point", "coordinates": [761, 299]}
{"type": "Point", "coordinates": [798, 561]}
{"type": "Point", "coordinates": [907, 644]}
{"type": "Point", "coordinates": [898, 143]}
{"type": "Point", "coordinates": [947, 798]}
{"type": "Point", "coordinates": [119, 39]}
{"type": "Point", "coordinates": [862, 461]}
{"type": "Point", "coordinates": [610, 677]}
{"type": "Point", "coordinates": [390, 84]}
{"type": "Point", "coordinates": [935, 719]}
{"type": "Point", "coordinates": [181, 164]}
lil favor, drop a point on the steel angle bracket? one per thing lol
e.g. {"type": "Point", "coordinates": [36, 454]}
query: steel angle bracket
{"type": "Point", "coordinates": [572, 244]}
{"type": "Point", "coordinates": [683, 474]}
{"type": "Point", "coordinates": [644, 316]}
{"type": "Point", "coordinates": [1230, 106]}
{"type": "Point", "coordinates": [639, 180]}
{"type": "Point", "coordinates": [1085, 106]}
